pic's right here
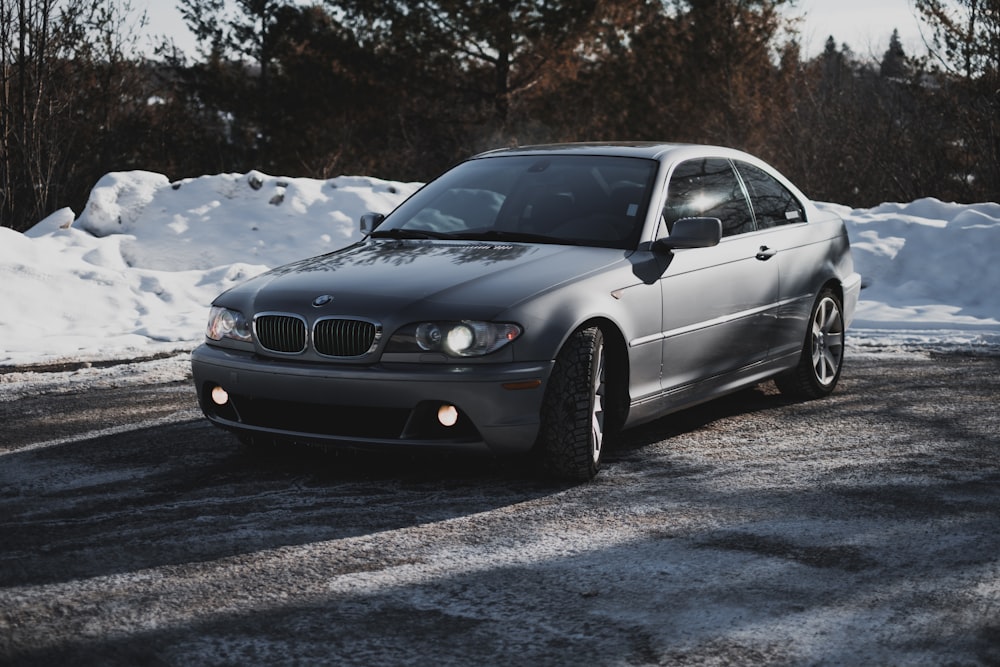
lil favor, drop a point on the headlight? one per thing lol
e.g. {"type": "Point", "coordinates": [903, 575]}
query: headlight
{"type": "Point", "coordinates": [456, 339]}
{"type": "Point", "coordinates": [225, 323]}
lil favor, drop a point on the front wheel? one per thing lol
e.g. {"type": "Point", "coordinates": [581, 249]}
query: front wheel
{"type": "Point", "coordinates": [571, 438]}
{"type": "Point", "coordinates": [822, 354]}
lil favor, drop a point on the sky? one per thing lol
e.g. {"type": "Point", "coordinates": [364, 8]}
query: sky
{"type": "Point", "coordinates": [134, 273]}
{"type": "Point", "coordinates": [865, 25]}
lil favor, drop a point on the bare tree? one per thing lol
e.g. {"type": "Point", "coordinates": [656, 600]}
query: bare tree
{"type": "Point", "coordinates": [489, 53]}
{"type": "Point", "coordinates": [63, 74]}
{"type": "Point", "coordinates": [967, 45]}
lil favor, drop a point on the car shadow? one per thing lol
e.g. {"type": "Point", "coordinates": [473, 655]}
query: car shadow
{"type": "Point", "coordinates": [186, 492]}
{"type": "Point", "coordinates": [189, 492]}
{"type": "Point", "coordinates": [764, 396]}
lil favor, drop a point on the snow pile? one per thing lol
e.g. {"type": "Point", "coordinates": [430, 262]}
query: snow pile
{"type": "Point", "coordinates": [929, 272]}
{"type": "Point", "coordinates": [134, 275]}
{"type": "Point", "coordinates": [213, 221]}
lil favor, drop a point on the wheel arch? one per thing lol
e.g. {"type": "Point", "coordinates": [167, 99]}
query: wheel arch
{"type": "Point", "coordinates": [617, 371]}
{"type": "Point", "coordinates": [836, 286]}
{"type": "Point", "coordinates": [810, 378]}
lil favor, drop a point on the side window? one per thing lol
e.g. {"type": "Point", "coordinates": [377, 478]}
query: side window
{"type": "Point", "coordinates": [772, 203]}
{"type": "Point", "coordinates": [708, 187]}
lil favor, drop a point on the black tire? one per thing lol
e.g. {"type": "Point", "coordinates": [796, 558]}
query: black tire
{"type": "Point", "coordinates": [572, 435]}
{"type": "Point", "coordinates": [822, 356]}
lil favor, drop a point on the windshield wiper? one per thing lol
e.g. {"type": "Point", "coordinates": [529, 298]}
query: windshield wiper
{"type": "Point", "coordinates": [525, 237]}
{"type": "Point", "coordinates": [398, 233]}
{"type": "Point", "coordinates": [491, 235]}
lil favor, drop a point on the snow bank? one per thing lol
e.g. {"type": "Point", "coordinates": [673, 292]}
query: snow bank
{"type": "Point", "coordinates": [927, 264]}
{"type": "Point", "coordinates": [135, 273]}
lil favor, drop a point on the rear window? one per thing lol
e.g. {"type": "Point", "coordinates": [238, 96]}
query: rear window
{"type": "Point", "coordinates": [773, 204]}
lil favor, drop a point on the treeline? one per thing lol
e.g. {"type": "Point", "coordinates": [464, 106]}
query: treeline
{"type": "Point", "coordinates": [401, 89]}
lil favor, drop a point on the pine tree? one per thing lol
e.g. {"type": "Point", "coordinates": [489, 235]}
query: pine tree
{"type": "Point", "coordinates": [894, 63]}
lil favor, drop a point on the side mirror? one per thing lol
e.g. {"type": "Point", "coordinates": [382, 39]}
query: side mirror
{"type": "Point", "coordinates": [369, 221]}
{"type": "Point", "coordinates": [692, 233]}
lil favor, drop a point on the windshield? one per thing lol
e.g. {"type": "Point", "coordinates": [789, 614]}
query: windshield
{"type": "Point", "coordinates": [571, 199]}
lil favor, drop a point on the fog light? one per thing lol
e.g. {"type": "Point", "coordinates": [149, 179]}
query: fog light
{"type": "Point", "coordinates": [448, 415]}
{"type": "Point", "coordinates": [219, 395]}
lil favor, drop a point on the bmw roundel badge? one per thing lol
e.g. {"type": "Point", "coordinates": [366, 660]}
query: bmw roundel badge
{"type": "Point", "coordinates": [322, 300]}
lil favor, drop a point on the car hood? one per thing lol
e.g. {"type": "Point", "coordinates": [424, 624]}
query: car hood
{"type": "Point", "coordinates": [440, 279]}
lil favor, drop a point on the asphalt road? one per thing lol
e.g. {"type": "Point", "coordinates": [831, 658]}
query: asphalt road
{"type": "Point", "coordinates": [860, 529]}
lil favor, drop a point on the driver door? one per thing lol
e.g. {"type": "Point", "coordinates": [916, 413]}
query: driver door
{"type": "Point", "coordinates": [715, 300]}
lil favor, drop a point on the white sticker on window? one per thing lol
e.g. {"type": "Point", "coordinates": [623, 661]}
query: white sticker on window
{"type": "Point", "coordinates": [632, 210]}
{"type": "Point", "coordinates": [792, 215]}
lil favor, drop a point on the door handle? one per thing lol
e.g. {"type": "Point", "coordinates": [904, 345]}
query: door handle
{"type": "Point", "coordinates": [766, 253]}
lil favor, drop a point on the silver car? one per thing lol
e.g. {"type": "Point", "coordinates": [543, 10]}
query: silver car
{"type": "Point", "coordinates": [539, 300]}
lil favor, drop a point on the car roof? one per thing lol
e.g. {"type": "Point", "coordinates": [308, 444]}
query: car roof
{"type": "Point", "coordinates": [650, 150]}
{"type": "Point", "coordinates": [665, 152]}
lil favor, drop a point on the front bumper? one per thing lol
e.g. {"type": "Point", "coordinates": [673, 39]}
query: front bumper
{"type": "Point", "coordinates": [381, 405]}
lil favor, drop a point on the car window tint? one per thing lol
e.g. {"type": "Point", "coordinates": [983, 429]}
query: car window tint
{"type": "Point", "coordinates": [580, 199]}
{"type": "Point", "coordinates": [595, 200]}
{"type": "Point", "coordinates": [460, 208]}
{"type": "Point", "coordinates": [708, 187]}
{"type": "Point", "coordinates": [773, 204]}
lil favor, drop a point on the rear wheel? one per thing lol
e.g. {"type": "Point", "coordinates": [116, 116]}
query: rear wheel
{"type": "Point", "coordinates": [822, 357]}
{"type": "Point", "coordinates": [571, 439]}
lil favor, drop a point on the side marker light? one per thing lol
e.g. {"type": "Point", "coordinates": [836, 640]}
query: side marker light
{"type": "Point", "coordinates": [527, 384]}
